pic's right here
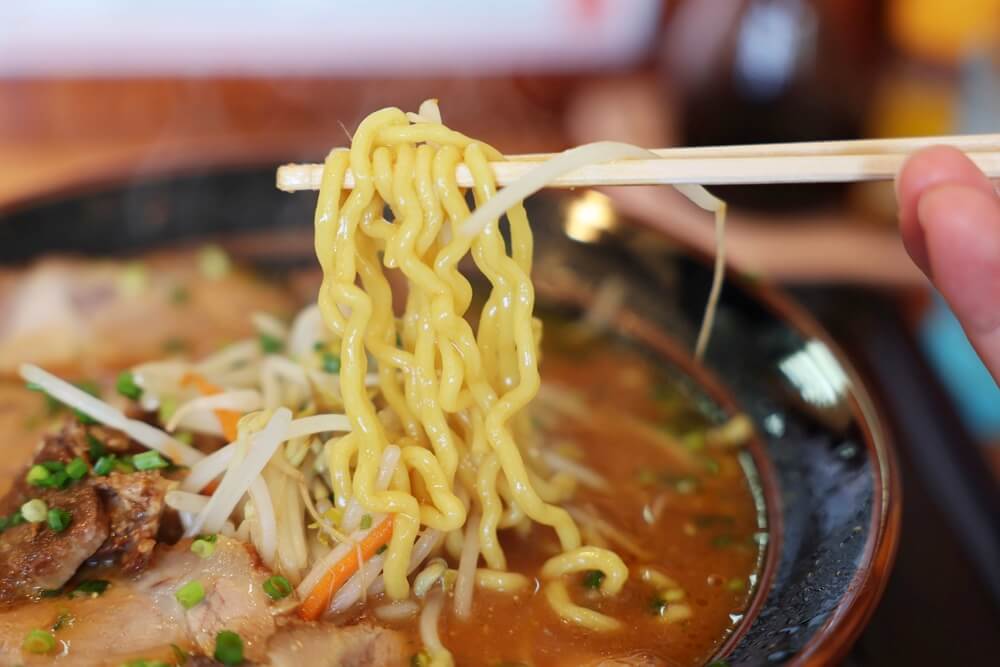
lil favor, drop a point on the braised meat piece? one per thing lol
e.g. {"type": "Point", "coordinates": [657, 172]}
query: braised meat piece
{"type": "Point", "coordinates": [34, 557]}
{"type": "Point", "coordinates": [134, 503]}
{"type": "Point", "coordinates": [75, 440]}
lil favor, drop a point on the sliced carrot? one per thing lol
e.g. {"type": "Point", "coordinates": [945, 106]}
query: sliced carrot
{"type": "Point", "coordinates": [319, 597]}
{"type": "Point", "coordinates": [228, 419]}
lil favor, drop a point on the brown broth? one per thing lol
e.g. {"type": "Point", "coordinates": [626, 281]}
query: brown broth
{"type": "Point", "coordinates": [704, 537]}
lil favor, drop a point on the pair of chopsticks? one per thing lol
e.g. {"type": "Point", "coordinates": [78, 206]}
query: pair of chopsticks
{"type": "Point", "coordinates": [808, 162]}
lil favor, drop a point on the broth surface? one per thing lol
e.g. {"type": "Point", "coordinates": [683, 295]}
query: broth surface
{"type": "Point", "coordinates": [688, 509]}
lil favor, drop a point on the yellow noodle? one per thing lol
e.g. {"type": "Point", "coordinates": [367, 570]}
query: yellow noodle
{"type": "Point", "coordinates": [453, 390]}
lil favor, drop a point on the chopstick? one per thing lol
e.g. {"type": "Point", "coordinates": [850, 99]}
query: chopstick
{"type": "Point", "coordinates": [809, 162]}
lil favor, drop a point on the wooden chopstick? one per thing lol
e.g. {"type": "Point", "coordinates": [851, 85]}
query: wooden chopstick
{"type": "Point", "coordinates": [812, 162]}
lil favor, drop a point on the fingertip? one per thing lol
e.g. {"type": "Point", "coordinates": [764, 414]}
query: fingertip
{"type": "Point", "coordinates": [921, 172]}
{"type": "Point", "coordinates": [961, 224]}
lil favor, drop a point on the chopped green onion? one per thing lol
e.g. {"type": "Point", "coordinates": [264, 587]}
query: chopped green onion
{"type": "Point", "coordinates": [202, 548]}
{"type": "Point", "coordinates": [168, 406]}
{"type": "Point", "coordinates": [228, 648]}
{"type": "Point", "coordinates": [77, 468]}
{"type": "Point", "coordinates": [736, 585]}
{"type": "Point", "coordinates": [124, 465]}
{"type": "Point", "coordinates": [63, 620]}
{"type": "Point", "coordinates": [133, 279]}
{"type": "Point", "coordinates": [179, 295]}
{"type": "Point", "coordinates": [190, 594]}
{"type": "Point", "coordinates": [211, 538]}
{"type": "Point", "coordinates": [366, 522]}
{"type": "Point", "coordinates": [174, 345]}
{"type": "Point", "coordinates": [646, 476]}
{"type": "Point", "coordinates": [277, 587]}
{"type": "Point", "coordinates": [39, 642]}
{"type": "Point", "coordinates": [50, 592]}
{"type": "Point", "coordinates": [4, 523]}
{"type": "Point", "coordinates": [90, 588]}
{"type": "Point", "coordinates": [319, 345]}
{"type": "Point", "coordinates": [96, 448]}
{"type": "Point", "coordinates": [54, 466]}
{"type": "Point", "coordinates": [105, 464]}
{"type": "Point", "coordinates": [593, 579]}
{"type": "Point", "coordinates": [686, 485]}
{"type": "Point", "coordinates": [718, 663]}
{"type": "Point", "coordinates": [270, 344]}
{"type": "Point", "coordinates": [16, 519]}
{"type": "Point", "coordinates": [127, 387]}
{"type": "Point", "coordinates": [147, 663]}
{"type": "Point", "coordinates": [38, 475]}
{"type": "Point", "coordinates": [150, 460]}
{"type": "Point", "coordinates": [693, 441]}
{"type": "Point", "coordinates": [213, 262]}
{"type": "Point", "coordinates": [59, 519]}
{"type": "Point", "coordinates": [187, 437]}
{"type": "Point", "coordinates": [35, 511]}
{"type": "Point", "coordinates": [331, 363]}
{"type": "Point", "coordinates": [722, 541]}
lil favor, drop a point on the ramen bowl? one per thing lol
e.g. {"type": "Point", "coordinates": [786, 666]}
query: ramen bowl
{"type": "Point", "coordinates": [819, 464]}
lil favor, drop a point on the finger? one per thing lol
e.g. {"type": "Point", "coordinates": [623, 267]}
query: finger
{"type": "Point", "coordinates": [961, 228]}
{"type": "Point", "coordinates": [926, 169]}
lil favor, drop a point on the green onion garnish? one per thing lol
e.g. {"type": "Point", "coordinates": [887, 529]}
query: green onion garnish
{"type": "Point", "coordinates": [179, 295]}
{"type": "Point", "coordinates": [59, 519]}
{"type": "Point", "coordinates": [4, 523]}
{"type": "Point", "coordinates": [90, 588]}
{"type": "Point", "coordinates": [35, 511]}
{"type": "Point", "coordinates": [366, 522]}
{"type": "Point", "coordinates": [331, 363]}
{"type": "Point", "coordinates": [187, 437]}
{"type": "Point", "coordinates": [190, 593]}
{"type": "Point", "coordinates": [277, 587]}
{"type": "Point", "coordinates": [147, 663]}
{"type": "Point", "coordinates": [593, 579]}
{"type": "Point", "coordinates": [39, 642]}
{"type": "Point", "coordinates": [203, 548]}
{"type": "Point", "coordinates": [124, 465]}
{"type": "Point", "coordinates": [211, 538]}
{"type": "Point", "coordinates": [16, 519]}
{"type": "Point", "coordinates": [63, 620]}
{"type": "Point", "coordinates": [127, 387]}
{"type": "Point", "coordinates": [150, 460]}
{"type": "Point", "coordinates": [213, 262]}
{"type": "Point", "coordinates": [77, 468]}
{"type": "Point", "coordinates": [228, 648]}
{"type": "Point", "coordinates": [96, 448]}
{"type": "Point", "coordinates": [270, 344]}
{"type": "Point", "coordinates": [168, 406]}
{"type": "Point", "coordinates": [38, 475]}
{"type": "Point", "coordinates": [105, 464]}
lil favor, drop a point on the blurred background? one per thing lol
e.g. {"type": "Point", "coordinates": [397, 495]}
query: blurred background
{"type": "Point", "coordinates": [91, 92]}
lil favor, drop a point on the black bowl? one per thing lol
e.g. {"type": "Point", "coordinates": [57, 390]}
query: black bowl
{"type": "Point", "coordinates": [828, 481]}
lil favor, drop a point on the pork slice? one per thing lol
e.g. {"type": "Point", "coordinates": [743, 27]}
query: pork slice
{"type": "Point", "coordinates": [140, 617]}
{"type": "Point", "coordinates": [234, 596]}
{"type": "Point", "coordinates": [33, 557]}
{"type": "Point", "coordinates": [134, 503]}
{"type": "Point", "coordinates": [325, 645]}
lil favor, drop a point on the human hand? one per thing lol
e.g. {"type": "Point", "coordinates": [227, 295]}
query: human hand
{"type": "Point", "coordinates": [949, 216]}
